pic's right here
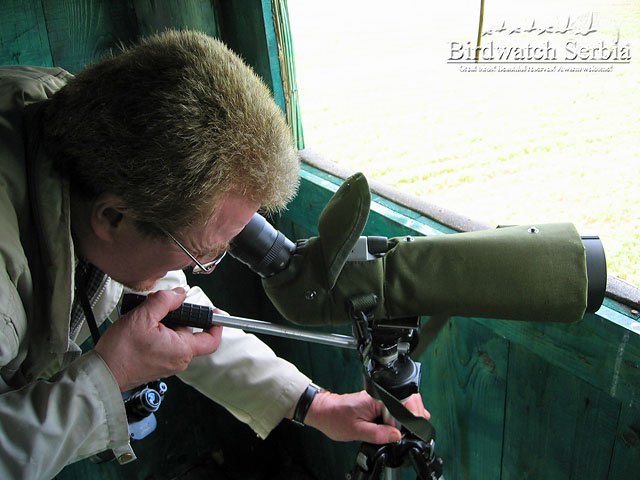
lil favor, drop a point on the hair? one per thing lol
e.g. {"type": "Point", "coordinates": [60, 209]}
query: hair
{"type": "Point", "coordinates": [171, 125]}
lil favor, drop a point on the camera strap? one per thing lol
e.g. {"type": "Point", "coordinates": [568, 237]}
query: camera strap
{"type": "Point", "coordinates": [81, 291]}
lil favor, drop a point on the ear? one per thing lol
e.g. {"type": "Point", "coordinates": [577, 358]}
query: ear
{"type": "Point", "coordinates": [107, 212]}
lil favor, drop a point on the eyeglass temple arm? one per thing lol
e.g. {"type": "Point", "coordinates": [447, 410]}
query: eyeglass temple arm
{"type": "Point", "coordinates": [193, 259]}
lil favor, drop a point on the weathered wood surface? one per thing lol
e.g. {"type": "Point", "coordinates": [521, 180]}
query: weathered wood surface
{"type": "Point", "coordinates": [154, 16]}
{"type": "Point", "coordinates": [23, 34]}
{"type": "Point", "coordinates": [247, 27]}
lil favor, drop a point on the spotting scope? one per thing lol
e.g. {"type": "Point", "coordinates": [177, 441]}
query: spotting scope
{"type": "Point", "coordinates": [382, 286]}
{"type": "Point", "coordinates": [542, 272]}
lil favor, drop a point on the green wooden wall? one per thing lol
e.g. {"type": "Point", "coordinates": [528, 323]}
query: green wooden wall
{"type": "Point", "coordinates": [74, 33]}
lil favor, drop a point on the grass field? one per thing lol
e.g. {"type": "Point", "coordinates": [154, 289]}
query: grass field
{"type": "Point", "coordinates": [377, 95]}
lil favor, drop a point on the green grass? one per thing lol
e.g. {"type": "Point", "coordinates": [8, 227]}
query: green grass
{"type": "Point", "coordinates": [377, 95]}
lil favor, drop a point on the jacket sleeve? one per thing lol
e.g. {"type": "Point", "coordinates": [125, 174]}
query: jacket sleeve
{"type": "Point", "coordinates": [47, 424]}
{"type": "Point", "coordinates": [244, 375]}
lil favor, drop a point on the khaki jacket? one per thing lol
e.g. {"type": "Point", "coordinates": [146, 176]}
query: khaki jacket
{"type": "Point", "coordinates": [57, 405]}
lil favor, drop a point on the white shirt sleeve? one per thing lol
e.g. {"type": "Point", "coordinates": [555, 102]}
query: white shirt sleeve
{"type": "Point", "coordinates": [244, 375]}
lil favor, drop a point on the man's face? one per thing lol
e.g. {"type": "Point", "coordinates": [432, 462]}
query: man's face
{"type": "Point", "coordinates": [145, 260]}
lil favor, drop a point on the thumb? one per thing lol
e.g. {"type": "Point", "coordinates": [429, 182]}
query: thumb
{"type": "Point", "coordinates": [162, 302]}
{"type": "Point", "coordinates": [379, 434]}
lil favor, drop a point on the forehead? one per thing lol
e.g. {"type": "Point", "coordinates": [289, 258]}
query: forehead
{"type": "Point", "coordinates": [231, 214]}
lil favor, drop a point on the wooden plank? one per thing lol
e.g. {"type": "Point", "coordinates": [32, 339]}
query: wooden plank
{"type": "Point", "coordinates": [247, 27]}
{"type": "Point", "coordinates": [463, 386]}
{"type": "Point", "coordinates": [82, 32]}
{"type": "Point", "coordinates": [273, 52]}
{"type": "Point", "coordinates": [386, 217]}
{"type": "Point", "coordinates": [282, 39]}
{"type": "Point", "coordinates": [598, 351]}
{"type": "Point", "coordinates": [154, 16]}
{"type": "Point", "coordinates": [556, 425]}
{"type": "Point", "coordinates": [23, 34]}
{"type": "Point", "coordinates": [625, 460]}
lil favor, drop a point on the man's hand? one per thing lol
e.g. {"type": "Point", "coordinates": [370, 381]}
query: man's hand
{"type": "Point", "coordinates": [351, 417]}
{"type": "Point", "coordinates": [139, 349]}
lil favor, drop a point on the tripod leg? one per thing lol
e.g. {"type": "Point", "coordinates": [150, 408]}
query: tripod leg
{"type": "Point", "coordinates": [427, 467]}
{"type": "Point", "coordinates": [370, 463]}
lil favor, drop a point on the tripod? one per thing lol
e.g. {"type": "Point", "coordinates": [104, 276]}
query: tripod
{"type": "Point", "coordinates": [391, 374]}
{"type": "Point", "coordinates": [375, 460]}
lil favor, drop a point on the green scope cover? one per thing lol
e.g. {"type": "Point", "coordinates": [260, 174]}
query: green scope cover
{"type": "Point", "coordinates": [514, 273]}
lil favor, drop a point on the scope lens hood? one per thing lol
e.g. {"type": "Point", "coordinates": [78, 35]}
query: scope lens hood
{"type": "Point", "coordinates": [596, 271]}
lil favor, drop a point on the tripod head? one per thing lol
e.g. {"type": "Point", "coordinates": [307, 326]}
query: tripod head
{"type": "Point", "coordinates": [391, 375]}
{"type": "Point", "coordinates": [384, 347]}
{"type": "Point", "coordinates": [389, 363]}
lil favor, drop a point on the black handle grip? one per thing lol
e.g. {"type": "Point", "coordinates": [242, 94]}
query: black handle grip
{"type": "Point", "coordinates": [187, 315]}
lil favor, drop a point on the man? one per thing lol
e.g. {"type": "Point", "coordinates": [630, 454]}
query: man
{"type": "Point", "coordinates": [117, 179]}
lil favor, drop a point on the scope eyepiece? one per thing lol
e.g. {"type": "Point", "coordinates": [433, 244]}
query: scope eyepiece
{"type": "Point", "coordinates": [262, 248]}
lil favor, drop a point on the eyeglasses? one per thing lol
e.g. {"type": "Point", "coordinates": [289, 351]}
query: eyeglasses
{"type": "Point", "coordinates": [199, 269]}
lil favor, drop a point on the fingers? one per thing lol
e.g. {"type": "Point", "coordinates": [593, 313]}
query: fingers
{"type": "Point", "coordinates": [137, 348]}
{"type": "Point", "coordinates": [350, 417]}
{"type": "Point", "coordinates": [416, 406]}
{"type": "Point", "coordinates": [162, 302]}
{"type": "Point", "coordinates": [200, 343]}
{"type": "Point", "coordinates": [378, 434]}
{"type": "Point", "coordinates": [205, 342]}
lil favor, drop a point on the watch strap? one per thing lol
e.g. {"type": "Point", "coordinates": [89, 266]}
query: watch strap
{"type": "Point", "coordinates": [304, 403]}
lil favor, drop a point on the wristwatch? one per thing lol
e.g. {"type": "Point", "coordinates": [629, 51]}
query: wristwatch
{"type": "Point", "coordinates": [304, 403]}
